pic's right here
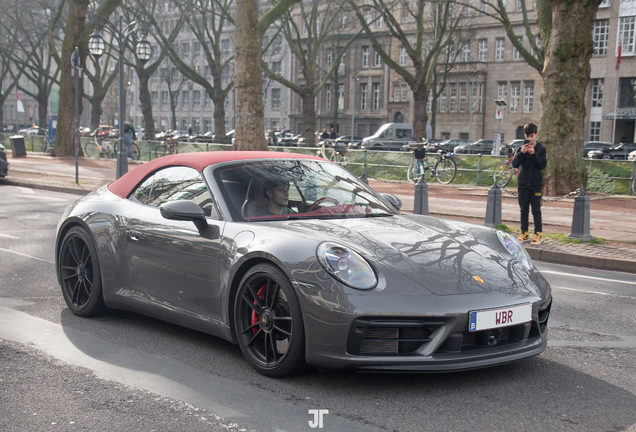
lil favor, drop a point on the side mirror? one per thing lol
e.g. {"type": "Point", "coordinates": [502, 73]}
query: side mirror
{"type": "Point", "coordinates": [184, 210]}
{"type": "Point", "coordinates": [393, 200]}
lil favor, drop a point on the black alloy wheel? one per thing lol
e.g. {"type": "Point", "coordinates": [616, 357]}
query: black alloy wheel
{"type": "Point", "coordinates": [269, 324]}
{"type": "Point", "coordinates": [80, 274]}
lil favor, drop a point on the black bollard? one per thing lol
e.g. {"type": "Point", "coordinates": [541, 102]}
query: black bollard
{"type": "Point", "coordinates": [363, 178]}
{"type": "Point", "coordinates": [493, 206]}
{"type": "Point", "coordinates": [581, 217]}
{"type": "Point", "coordinates": [420, 205]}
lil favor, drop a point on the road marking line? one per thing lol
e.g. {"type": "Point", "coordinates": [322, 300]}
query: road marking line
{"type": "Point", "coordinates": [25, 255]}
{"type": "Point", "coordinates": [593, 292]}
{"type": "Point", "coordinates": [587, 277]}
{"type": "Point", "coordinates": [9, 236]}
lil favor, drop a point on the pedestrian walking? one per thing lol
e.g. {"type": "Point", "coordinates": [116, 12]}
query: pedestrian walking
{"type": "Point", "coordinates": [129, 131]}
{"type": "Point", "coordinates": [531, 160]}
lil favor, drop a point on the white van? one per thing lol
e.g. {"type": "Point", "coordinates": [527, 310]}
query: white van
{"type": "Point", "coordinates": [390, 136]}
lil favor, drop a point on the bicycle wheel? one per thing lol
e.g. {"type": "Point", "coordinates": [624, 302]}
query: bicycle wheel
{"type": "Point", "coordinates": [634, 186]}
{"type": "Point", "coordinates": [445, 171]}
{"type": "Point", "coordinates": [411, 174]}
{"type": "Point", "coordinates": [502, 174]}
{"type": "Point", "coordinates": [162, 150]}
{"type": "Point", "coordinates": [91, 149]}
{"type": "Point", "coordinates": [340, 159]}
{"type": "Point", "coordinates": [135, 154]}
{"type": "Point", "coordinates": [330, 154]}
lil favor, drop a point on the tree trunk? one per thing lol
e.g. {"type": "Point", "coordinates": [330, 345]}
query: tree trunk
{"type": "Point", "coordinates": [218, 98]}
{"type": "Point", "coordinates": [43, 108]}
{"type": "Point", "coordinates": [146, 105]}
{"type": "Point", "coordinates": [250, 124]}
{"type": "Point", "coordinates": [566, 73]}
{"type": "Point", "coordinates": [65, 133]}
{"type": "Point", "coordinates": [96, 114]}
{"type": "Point", "coordinates": [420, 116]}
{"type": "Point", "coordinates": [309, 115]}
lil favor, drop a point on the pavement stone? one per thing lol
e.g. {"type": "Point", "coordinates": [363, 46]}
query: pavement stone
{"type": "Point", "coordinates": [43, 173]}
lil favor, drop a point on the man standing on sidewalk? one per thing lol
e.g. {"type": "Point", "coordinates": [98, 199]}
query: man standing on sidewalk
{"type": "Point", "coordinates": [531, 161]}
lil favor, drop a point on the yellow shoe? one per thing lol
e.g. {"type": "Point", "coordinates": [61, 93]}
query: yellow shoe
{"type": "Point", "coordinates": [537, 239]}
{"type": "Point", "coordinates": [524, 237]}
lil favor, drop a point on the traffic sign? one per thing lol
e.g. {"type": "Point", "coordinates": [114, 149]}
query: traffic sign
{"type": "Point", "coordinates": [498, 114]}
{"type": "Point", "coordinates": [31, 111]}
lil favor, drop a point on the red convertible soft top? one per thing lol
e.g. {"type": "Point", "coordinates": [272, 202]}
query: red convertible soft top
{"type": "Point", "coordinates": [197, 160]}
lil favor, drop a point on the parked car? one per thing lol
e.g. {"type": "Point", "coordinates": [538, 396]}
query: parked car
{"type": "Point", "coordinates": [207, 137]}
{"type": "Point", "coordinates": [390, 136]}
{"type": "Point", "coordinates": [619, 151]}
{"type": "Point", "coordinates": [347, 141]}
{"type": "Point", "coordinates": [33, 130]}
{"type": "Point", "coordinates": [290, 141]}
{"type": "Point", "coordinates": [102, 131]}
{"type": "Point", "coordinates": [341, 280]}
{"type": "Point", "coordinates": [510, 147]}
{"type": "Point", "coordinates": [446, 145]}
{"type": "Point", "coordinates": [4, 163]}
{"type": "Point", "coordinates": [482, 146]}
{"type": "Point", "coordinates": [632, 156]}
{"type": "Point", "coordinates": [589, 146]}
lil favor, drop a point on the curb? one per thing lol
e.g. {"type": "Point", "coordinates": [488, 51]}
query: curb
{"type": "Point", "coordinates": [78, 190]}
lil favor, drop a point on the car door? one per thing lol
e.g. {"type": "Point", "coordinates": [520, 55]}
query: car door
{"type": "Point", "coordinates": [171, 262]}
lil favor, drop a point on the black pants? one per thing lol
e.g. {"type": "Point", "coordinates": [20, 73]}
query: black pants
{"type": "Point", "coordinates": [527, 198]}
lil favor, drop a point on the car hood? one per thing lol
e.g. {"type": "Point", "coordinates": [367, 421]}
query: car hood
{"type": "Point", "coordinates": [445, 257]}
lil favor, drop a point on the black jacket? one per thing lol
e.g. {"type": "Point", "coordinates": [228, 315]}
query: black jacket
{"type": "Point", "coordinates": [531, 167]}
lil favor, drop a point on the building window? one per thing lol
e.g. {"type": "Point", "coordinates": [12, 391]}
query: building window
{"type": "Point", "coordinates": [365, 56]}
{"type": "Point", "coordinates": [628, 93]}
{"type": "Point", "coordinates": [276, 67]}
{"type": "Point", "coordinates": [185, 49]}
{"type": "Point", "coordinates": [466, 52]}
{"type": "Point", "coordinates": [499, 48]}
{"type": "Point", "coordinates": [277, 45]}
{"type": "Point", "coordinates": [502, 90]}
{"type": "Point", "coordinates": [343, 18]}
{"type": "Point", "coordinates": [442, 101]}
{"type": "Point", "coordinates": [402, 59]}
{"type": "Point", "coordinates": [484, 7]}
{"type": "Point", "coordinates": [429, 102]}
{"type": "Point", "coordinates": [452, 106]}
{"type": "Point", "coordinates": [462, 97]}
{"type": "Point", "coordinates": [185, 98]}
{"type": "Point", "coordinates": [363, 96]}
{"type": "Point", "coordinates": [208, 125]}
{"type": "Point", "coordinates": [468, 9]}
{"type": "Point", "coordinates": [196, 98]}
{"type": "Point", "coordinates": [404, 92]}
{"type": "Point", "coordinates": [341, 97]}
{"type": "Point", "coordinates": [601, 37]}
{"type": "Point", "coordinates": [396, 92]}
{"type": "Point", "coordinates": [597, 92]}
{"type": "Point", "coordinates": [604, 4]}
{"type": "Point", "coordinates": [380, 21]}
{"type": "Point", "coordinates": [481, 96]}
{"type": "Point", "coordinates": [196, 49]}
{"type": "Point", "coordinates": [528, 97]}
{"type": "Point", "coordinates": [225, 46]}
{"type": "Point", "coordinates": [275, 98]}
{"type": "Point", "coordinates": [153, 98]}
{"type": "Point", "coordinates": [164, 98]}
{"type": "Point", "coordinates": [626, 34]}
{"type": "Point", "coordinates": [367, 15]}
{"type": "Point", "coordinates": [483, 50]}
{"type": "Point", "coordinates": [378, 59]}
{"type": "Point", "coordinates": [208, 99]}
{"type": "Point", "coordinates": [519, 5]}
{"type": "Point", "coordinates": [328, 96]}
{"type": "Point", "coordinates": [595, 131]}
{"type": "Point", "coordinates": [537, 42]}
{"type": "Point", "coordinates": [516, 55]}
{"type": "Point", "coordinates": [376, 96]}
{"type": "Point", "coordinates": [329, 58]}
{"type": "Point", "coordinates": [515, 95]}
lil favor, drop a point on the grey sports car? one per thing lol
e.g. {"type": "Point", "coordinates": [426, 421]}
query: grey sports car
{"type": "Point", "coordinates": [300, 264]}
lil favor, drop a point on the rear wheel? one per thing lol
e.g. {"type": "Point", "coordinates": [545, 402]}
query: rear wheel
{"type": "Point", "coordinates": [502, 174]}
{"type": "Point", "coordinates": [162, 150]}
{"type": "Point", "coordinates": [633, 187]}
{"type": "Point", "coordinates": [268, 321]}
{"type": "Point", "coordinates": [80, 273]}
{"type": "Point", "coordinates": [445, 171]}
{"type": "Point", "coordinates": [412, 174]}
{"type": "Point", "coordinates": [135, 154]}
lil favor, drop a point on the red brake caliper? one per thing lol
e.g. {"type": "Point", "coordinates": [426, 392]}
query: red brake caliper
{"type": "Point", "coordinates": [255, 317]}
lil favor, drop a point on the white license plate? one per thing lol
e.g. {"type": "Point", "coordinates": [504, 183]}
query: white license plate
{"type": "Point", "coordinates": [502, 317]}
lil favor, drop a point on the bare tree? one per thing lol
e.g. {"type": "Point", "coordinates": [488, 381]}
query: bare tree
{"type": "Point", "coordinates": [434, 22]}
{"type": "Point", "coordinates": [307, 29]}
{"type": "Point", "coordinates": [175, 82]}
{"type": "Point", "coordinates": [560, 51]}
{"type": "Point", "coordinates": [101, 78]}
{"type": "Point", "coordinates": [6, 62]}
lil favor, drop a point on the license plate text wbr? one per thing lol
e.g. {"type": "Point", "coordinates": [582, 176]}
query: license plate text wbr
{"type": "Point", "coordinates": [502, 317]}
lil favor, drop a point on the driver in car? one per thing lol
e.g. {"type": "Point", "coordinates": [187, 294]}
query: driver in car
{"type": "Point", "coordinates": [277, 192]}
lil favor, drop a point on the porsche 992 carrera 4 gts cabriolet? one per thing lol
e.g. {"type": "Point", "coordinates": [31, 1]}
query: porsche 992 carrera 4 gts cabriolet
{"type": "Point", "coordinates": [300, 264]}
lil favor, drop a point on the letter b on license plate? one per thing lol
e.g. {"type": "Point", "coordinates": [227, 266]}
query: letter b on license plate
{"type": "Point", "coordinates": [502, 317]}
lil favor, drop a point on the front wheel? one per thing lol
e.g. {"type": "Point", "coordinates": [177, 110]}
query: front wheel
{"type": "Point", "coordinates": [502, 174]}
{"type": "Point", "coordinates": [269, 323]}
{"type": "Point", "coordinates": [633, 192]}
{"type": "Point", "coordinates": [135, 154]}
{"type": "Point", "coordinates": [91, 149]}
{"type": "Point", "coordinates": [445, 171]}
{"type": "Point", "coordinates": [162, 150]}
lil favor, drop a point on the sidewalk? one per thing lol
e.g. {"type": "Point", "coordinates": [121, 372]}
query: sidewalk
{"type": "Point", "coordinates": [611, 217]}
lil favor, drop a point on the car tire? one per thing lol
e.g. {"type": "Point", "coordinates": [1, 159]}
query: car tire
{"type": "Point", "coordinates": [268, 322]}
{"type": "Point", "coordinates": [80, 274]}
{"type": "Point", "coordinates": [606, 156]}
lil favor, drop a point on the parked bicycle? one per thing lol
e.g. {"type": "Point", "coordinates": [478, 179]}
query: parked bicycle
{"type": "Point", "coordinates": [441, 165]}
{"type": "Point", "coordinates": [106, 150]}
{"type": "Point", "coordinates": [504, 171]}
{"type": "Point", "coordinates": [333, 151]}
{"type": "Point", "coordinates": [170, 146]}
{"type": "Point", "coordinates": [633, 187]}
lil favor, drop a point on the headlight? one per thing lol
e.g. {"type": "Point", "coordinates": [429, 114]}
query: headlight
{"type": "Point", "coordinates": [346, 265]}
{"type": "Point", "coordinates": [515, 248]}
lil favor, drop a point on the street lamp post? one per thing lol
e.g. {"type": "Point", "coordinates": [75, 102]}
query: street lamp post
{"type": "Point", "coordinates": [501, 104]}
{"type": "Point", "coordinates": [353, 109]}
{"type": "Point", "coordinates": [143, 51]}
{"type": "Point", "coordinates": [190, 87]}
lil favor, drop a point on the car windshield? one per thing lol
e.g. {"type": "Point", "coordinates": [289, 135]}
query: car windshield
{"type": "Point", "coordinates": [300, 189]}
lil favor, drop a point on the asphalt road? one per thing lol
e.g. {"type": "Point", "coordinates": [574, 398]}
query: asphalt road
{"type": "Point", "coordinates": [127, 372]}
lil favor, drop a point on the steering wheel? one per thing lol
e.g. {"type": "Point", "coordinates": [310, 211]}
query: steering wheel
{"type": "Point", "coordinates": [319, 201]}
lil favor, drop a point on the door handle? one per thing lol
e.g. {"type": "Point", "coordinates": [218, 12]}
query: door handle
{"type": "Point", "coordinates": [134, 235]}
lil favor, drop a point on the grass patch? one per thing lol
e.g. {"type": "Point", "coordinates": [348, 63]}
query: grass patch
{"type": "Point", "coordinates": [563, 238]}
{"type": "Point", "coordinates": [504, 228]}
